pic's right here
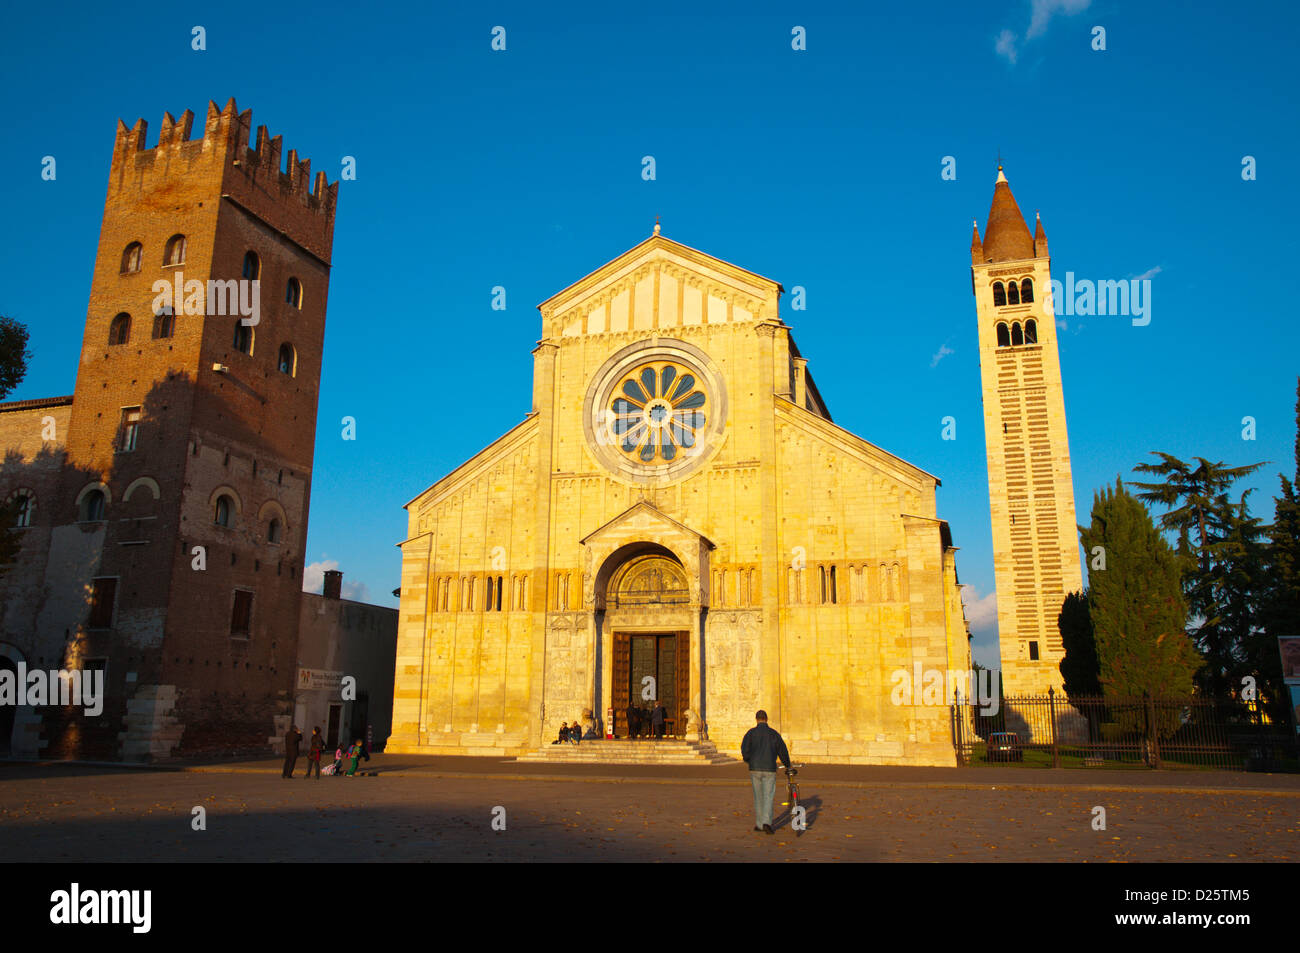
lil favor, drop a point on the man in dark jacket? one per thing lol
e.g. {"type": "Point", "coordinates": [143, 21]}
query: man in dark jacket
{"type": "Point", "coordinates": [760, 748]}
{"type": "Point", "coordinates": [291, 739]}
{"type": "Point", "coordinates": [633, 720]}
{"type": "Point", "coordinates": [314, 749]}
{"type": "Point", "coordinates": [657, 719]}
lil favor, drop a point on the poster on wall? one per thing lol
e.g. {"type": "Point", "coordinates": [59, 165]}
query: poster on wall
{"type": "Point", "coordinates": [312, 679]}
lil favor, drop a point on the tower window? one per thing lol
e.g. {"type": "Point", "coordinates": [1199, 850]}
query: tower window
{"type": "Point", "coordinates": [834, 595]}
{"type": "Point", "coordinates": [119, 332]}
{"type": "Point", "coordinates": [1013, 293]}
{"type": "Point", "coordinates": [223, 516]}
{"type": "Point", "coordinates": [293, 293]}
{"type": "Point", "coordinates": [273, 531]}
{"type": "Point", "coordinates": [288, 363]}
{"type": "Point", "coordinates": [164, 324]}
{"type": "Point", "coordinates": [1031, 332]}
{"type": "Point", "coordinates": [243, 337]}
{"type": "Point", "coordinates": [23, 503]}
{"type": "Point", "coordinates": [241, 614]}
{"type": "Point", "coordinates": [92, 507]}
{"type": "Point", "coordinates": [252, 266]}
{"type": "Point", "coordinates": [103, 597]}
{"type": "Point", "coordinates": [1026, 292]}
{"type": "Point", "coordinates": [1033, 651]}
{"type": "Point", "coordinates": [999, 294]}
{"type": "Point", "coordinates": [1017, 336]}
{"type": "Point", "coordinates": [130, 429]}
{"type": "Point", "coordinates": [131, 258]}
{"type": "Point", "coordinates": [174, 253]}
{"type": "Point", "coordinates": [1004, 335]}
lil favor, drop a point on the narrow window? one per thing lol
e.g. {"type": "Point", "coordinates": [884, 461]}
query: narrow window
{"type": "Point", "coordinates": [222, 515]}
{"type": "Point", "coordinates": [130, 429]}
{"type": "Point", "coordinates": [241, 614]}
{"type": "Point", "coordinates": [288, 363]}
{"type": "Point", "coordinates": [1033, 651]}
{"type": "Point", "coordinates": [1027, 292]}
{"type": "Point", "coordinates": [164, 324]}
{"type": "Point", "coordinates": [119, 332]}
{"type": "Point", "coordinates": [1017, 337]}
{"type": "Point", "coordinates": [92, 506]}
{"type": "Point", "coordinates": [999, 294]}
{"type": "Point", "coordinates": [103, 597]}
{"type": "Point", "coordinates": [488, 605]}
{"type": "Point", "coordinates": [252, 266]}
{"type": "Point", "coordinates": [1013, 293]}
{"type": "Point", "coordinates": [24, 503]}
{"type": "Point", "coordinates": [498, 593]}
{"type": "Point", "coordinates": [821, 575]}
{"type": "Point", "coordinates": [1004, 336]}
{"type": "Point", "coordinates": [834, 596]}
{"type": "Point", "coordinates": [243, 337]}
{"type": "Point", "coordinates": [174, 253]}
{"type": "Point", "coordinates": [131, 258]}
{"type": "Point", "coordinates": [293, 293]}
{"type": "Point", "coordinates": [273, 531]}
{"type": "Point", "coordinates": [1031, 332]}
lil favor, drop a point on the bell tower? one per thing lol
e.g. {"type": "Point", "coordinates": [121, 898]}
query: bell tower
{"type": "Point", "coordinates": [1031, 493]}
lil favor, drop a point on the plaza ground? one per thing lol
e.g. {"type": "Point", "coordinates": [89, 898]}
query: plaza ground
{"type": "Point", "coordinates": [441, 809]}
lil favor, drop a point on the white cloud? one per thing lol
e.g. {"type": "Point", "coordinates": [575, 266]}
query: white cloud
{"type": "Point", "coordinates": [356, 591]}
{"type": "Point", "coordinates": [981, 613]}
{"type": "Point", "coordinates": [313, 575]}
{"type": "Point", "coordinates": [1040, 15]}
{"type": "Point", "coordinates": [1149, 273]}
{"type": "Point", "coordinates": [939, 355]}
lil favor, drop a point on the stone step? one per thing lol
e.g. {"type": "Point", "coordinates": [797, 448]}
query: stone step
{"type": "Point", "coordinates": [674, 752]}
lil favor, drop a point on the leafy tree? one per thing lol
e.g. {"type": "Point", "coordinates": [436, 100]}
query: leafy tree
{"type": "Point", "coordinates": [1079, 667]}
{"type": "Point", "coordinates": [1280, 606]}
{"type": "Point", "coordinates": [13, 354]}
{"type": "Point", "coordinates": [1136, 604]}
{"type": "Point", "coordinates": [1223, 558]}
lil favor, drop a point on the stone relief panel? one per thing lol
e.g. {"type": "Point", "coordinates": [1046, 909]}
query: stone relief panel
{"type": "Point", "coordinates": [569, 679]}
{"type": "Point", "coordinates": [733, 670]}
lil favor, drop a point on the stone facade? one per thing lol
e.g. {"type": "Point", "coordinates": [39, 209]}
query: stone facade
{"type": "Point", "coordinates": [796, 567]}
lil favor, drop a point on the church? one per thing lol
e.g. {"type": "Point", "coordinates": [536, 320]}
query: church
{"type": "Point", "coordinates": [676, 518]}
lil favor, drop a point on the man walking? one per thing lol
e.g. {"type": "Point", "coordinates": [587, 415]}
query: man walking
{"type": "Point", "coordinates": [760, 748]}
{"type": "Point", "coordinates": [291, 739]}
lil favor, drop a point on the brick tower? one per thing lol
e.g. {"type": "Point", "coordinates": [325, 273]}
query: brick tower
{"type": "Point", "coordinates": [1031, 494]}
{"type": "Point", "coordinates": [190, 441]}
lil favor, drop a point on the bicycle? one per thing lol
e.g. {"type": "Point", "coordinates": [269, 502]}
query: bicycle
{"type": "Point", "coordinates": [792, 794]}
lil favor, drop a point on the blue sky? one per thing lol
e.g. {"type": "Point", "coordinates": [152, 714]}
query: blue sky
{"type": "Point", "coordinates": [818, 168]}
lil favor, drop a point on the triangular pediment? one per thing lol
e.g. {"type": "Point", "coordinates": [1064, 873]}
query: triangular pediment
{"type": "Point", "coordinates": [645, 521]}
{"type": "Point", "coordinates": [659, 283]}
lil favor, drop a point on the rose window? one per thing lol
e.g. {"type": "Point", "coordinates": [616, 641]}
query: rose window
{"type": "Point", "coordinates": [658, 412]}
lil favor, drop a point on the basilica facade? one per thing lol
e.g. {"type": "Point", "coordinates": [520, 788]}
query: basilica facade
{"type": "Point", "coordinates": [677, 518]}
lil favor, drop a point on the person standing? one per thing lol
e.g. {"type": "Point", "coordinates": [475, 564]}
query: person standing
{"type": "Point", "coordinates": [760, 748]}
{"type": "Point", "coordinates": [292, 737]}
{"type": "Point", "coordinates": [657, 719]}
{"type": "Point", "coordinates": [633, 720]}
{"type": "Point", "coordinates": [314, 752]}
{"type": "Point", "coordinates": [355, 755]}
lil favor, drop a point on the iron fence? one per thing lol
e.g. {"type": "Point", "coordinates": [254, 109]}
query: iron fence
{"type": "Point", "coordinates": [1053, 730]}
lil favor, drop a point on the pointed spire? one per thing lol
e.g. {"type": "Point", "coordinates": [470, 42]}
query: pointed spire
{"type": "Point", "coordinates": [976, 246]}
{"type": "Point", "coordinates": [1006, 236]}
{"type": "Point", "coordinates": [1040, 237]}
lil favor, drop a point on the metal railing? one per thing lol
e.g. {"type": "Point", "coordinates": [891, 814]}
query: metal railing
{"type": "Point", "coordinates": [1054, 730]}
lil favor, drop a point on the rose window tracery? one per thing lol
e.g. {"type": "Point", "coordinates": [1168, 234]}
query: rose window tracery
{"type": "Point", "coordinates": [659, 411]}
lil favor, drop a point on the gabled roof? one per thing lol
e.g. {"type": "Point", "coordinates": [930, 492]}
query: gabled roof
{"type": "Point", "coordinates": [654, 512]}
{"type": "Point", "coordinates": [656, 246]}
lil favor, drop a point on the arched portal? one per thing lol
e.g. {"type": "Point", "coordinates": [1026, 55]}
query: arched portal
{"type": "Point", "coordinates": [646, 598]}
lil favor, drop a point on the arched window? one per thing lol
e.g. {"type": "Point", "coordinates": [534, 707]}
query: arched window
{"type": "Point", "coordinates": [999, 294]}
{"type": "Point", "coordinates": [174, 253]}
{"type": "Point", "coordinates": [24, 503]}
{"type": "Point", "coordinates": [288, 362]}
{"type": "Point", "coordinates": [1031, 332]}
{"type": "Point", "coordinates": [93, 506]}
{"type": "Point", "coordinates": [1004, 336]}
{"type": "Point", "coordinates": [293, 293]}
{"type": "Point", "coordinates": [1017, 338]}
{"type": "Point", "coordinates": [1013, 293]}
{"type": "Point", "coordinates": [252, 266]}
{"type": "Point", "coordinates": [131, 258]}
{"type": "Point", "coordinates": [243, 337]}
{"type": "Point", "coordinates": [498, 594]}
{"type": "Point", "coordinates": [834, 594]}
{"type": "Point", "coordinates": [223, 512]}
{"type": "Point", "coordinates": [1027, 292]}
{"type": "Point", "coordinates": [164, 324]}
{"type": "Point", "coordinates": [119, 332]}
{"type": "Point", "coordinates": [273, 531]}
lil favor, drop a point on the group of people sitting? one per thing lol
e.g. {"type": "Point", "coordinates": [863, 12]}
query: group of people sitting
{"type": "Point", "coordinates": [577, 732]}
{"type": "Point", "coordinates": [645, 720]}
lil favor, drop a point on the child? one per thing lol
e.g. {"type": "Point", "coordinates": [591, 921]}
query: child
{"type": "Point", "coordinates": [338, 760]}
{"type": "Point", "coordinates": [355, 754]}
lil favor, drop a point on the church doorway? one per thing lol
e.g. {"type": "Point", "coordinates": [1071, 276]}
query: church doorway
{"type": "Point", "coordinates": [650, 667]}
